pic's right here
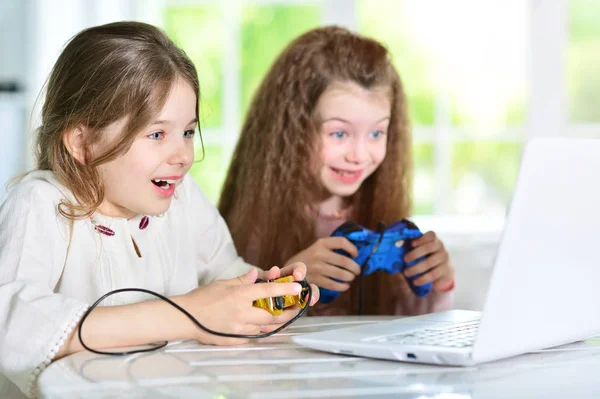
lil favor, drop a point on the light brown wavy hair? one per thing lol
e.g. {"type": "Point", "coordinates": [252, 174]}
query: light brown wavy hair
{"type": "Point", "coordinates": [272, 190]}
{"type": "Point", "coordinates": [105, 73]}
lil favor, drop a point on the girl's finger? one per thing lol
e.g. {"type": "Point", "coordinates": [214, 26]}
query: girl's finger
{"type": "Point", "coordinates": [333, 243]}
{"type": "Point", "coordinates": [273, 273]}
{"type": "Point", "coordinates": [326, 282]}
{"type": "Point", "coordinates": [424, 239]}
{"type": "Point", "coordinates": [444, 285]}
{"type": "Point", "coordinates": [423, 250]}
{"type": "Point", "coordinates": [341, 261]}
{"type": "Point", "coordinates": [337, 273]}
{"type": "Point", "coordinates": [430, 276]}
{"type": "Point", "coordinates": [269, 290]}
{"type": "Point", "coordinates": [315, 296]}
{"type": "Point", "coordinates": [430, 262]}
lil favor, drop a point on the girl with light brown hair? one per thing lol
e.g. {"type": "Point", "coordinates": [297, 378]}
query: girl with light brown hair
{"type": "Point", "coordinates": [111, 206]}
{"type": "Point", "coordinates": [327, 140]}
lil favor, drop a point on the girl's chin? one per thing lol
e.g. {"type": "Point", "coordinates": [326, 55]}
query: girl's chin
{"type": "Point", "coordinates": [157, 211]}
{"type": "Point", "coordinates": [343, 191]}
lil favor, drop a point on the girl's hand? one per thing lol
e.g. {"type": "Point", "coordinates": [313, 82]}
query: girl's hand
{"type": "Point", "coordinates": [298, 271]}
{"type": "Point", "coordinates": [226, 306]}
{"type": "Point", "coordinates": [436, 265]}
{"type": "Point", "coordinates": [323, 264]}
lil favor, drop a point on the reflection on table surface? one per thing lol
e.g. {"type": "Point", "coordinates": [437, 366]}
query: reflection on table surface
{"type": "Point", "coordinates": [275, 367]}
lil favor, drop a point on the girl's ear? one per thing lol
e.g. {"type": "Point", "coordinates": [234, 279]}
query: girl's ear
{"type": "Point", "coordinates": [74, 140]}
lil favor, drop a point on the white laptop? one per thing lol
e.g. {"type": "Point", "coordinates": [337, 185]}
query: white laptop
{"type": "Point", "coordinates": [545, 286]}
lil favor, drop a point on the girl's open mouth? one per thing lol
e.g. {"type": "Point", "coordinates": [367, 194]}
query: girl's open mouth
{"type": "Point", "coordinates": [346, 176]}
{"type": "Point", "coordinates": [166, 187]}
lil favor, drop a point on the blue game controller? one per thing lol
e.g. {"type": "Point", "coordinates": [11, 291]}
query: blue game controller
{"type": "Point", "coordinates": [382, 251]}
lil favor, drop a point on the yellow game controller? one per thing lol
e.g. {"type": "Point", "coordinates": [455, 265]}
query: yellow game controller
{"type": "Point", "coordinates": [276, 305]}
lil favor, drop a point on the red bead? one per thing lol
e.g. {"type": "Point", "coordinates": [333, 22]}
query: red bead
{"type": "Point", "coordinates": [104, 230]}
{"type": "Point", "coordinates": [144, 222]}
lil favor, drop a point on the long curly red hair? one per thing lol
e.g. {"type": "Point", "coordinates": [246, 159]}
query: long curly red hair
{"type": "Point", "coordinates": [272, 190]}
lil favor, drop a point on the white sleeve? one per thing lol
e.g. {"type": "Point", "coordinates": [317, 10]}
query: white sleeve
{"type": "Point", "coordinates": [34, 320]}
{"type": "Point", "coordinates": [216, 253]}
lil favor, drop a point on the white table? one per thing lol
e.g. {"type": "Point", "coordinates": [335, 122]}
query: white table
{"type": "Point", "coordinates": [277, 368]}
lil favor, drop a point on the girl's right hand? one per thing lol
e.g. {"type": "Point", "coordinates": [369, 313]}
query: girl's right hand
{"type": "Point", "coordinates": [323, 264]}
{"type": "Point", "coordinates": [226, 306]}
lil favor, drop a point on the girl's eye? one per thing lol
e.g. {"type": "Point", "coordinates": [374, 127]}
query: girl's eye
{"type": "Point", "coordinates": [189, 133]}
{"type": "Point", "coordinates": [377, 134]}
{"type": "Point", "coordinates": [338, 135]}
{"type": "Point", "coordinates": [156, 135]}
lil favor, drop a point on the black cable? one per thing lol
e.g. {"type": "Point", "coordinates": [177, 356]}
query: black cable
{"type": "Point", "coordinates": [361, 287]}
{"type": "Point", "coordinates": [361, 283]}
{"type": "Point", "coordinates": [185, 312]}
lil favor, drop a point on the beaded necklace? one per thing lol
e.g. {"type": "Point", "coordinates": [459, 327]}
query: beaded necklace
{"type": "Point", "coordinates": [110, 232]}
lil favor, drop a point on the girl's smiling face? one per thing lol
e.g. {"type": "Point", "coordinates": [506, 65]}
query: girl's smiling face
{"type": "Point", "coordinates": [353, 129]}
{"type": "Point", "coordinates": [143, 180]}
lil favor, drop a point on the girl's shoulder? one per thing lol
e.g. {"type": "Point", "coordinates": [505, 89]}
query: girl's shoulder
{"type": "Point", "coordinates": [38, 189]}
{"type": "Point", "coordinates": [31, 204]}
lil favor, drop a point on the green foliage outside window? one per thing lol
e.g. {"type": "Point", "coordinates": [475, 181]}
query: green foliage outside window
{"type": "Point", "coordinates": [266, 30]}
{"type": "Point", "coordinates": [412, 62]}
{"type": "Point", "coordinates": [489, 166]}
{"type": "Point", "coordinates": [210, 172]}
{"type": "Point", "coordinates": [199, 31]}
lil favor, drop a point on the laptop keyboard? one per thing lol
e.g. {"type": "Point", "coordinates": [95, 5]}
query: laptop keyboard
{"type": "Point", "coordinates": [453, 336]}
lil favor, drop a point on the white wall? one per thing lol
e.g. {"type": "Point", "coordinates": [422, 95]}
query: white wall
{"type": "Point", "coordinates": [13, 33]}
{"type": "Point", "coordinates": [32, 34]}
{"type": "Point", "coordinates": [13, 39]}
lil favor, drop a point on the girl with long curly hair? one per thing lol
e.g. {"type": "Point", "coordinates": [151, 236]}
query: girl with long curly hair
{"type": "Point", "coordinates": [327, 140]}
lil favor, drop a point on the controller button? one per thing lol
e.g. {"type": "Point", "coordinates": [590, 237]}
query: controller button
{"type": "Point", "coordinates": [303, 283]}
{"type": "Point", "coordinates": [279, 302]}
{"type": "Point", "coordinates": [399, 243]}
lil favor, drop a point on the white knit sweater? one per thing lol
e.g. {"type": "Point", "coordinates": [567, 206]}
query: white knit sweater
{"type": "Point", "coordinates": [46, 283]}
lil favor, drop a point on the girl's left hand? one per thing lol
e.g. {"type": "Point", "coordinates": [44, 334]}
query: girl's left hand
{"type": "Point", "coordinates": [436, 265]}
{"type": "Point", "coordinates": [298, 271]}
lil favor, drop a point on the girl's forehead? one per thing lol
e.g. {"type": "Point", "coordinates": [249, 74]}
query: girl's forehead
{"type": "Point", "coordinates": [348, 97]}
{"type": "Point", "coordinates": [354, 87]}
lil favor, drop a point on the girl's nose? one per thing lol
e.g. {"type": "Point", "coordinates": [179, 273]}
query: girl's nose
{"type": "Point", "coordinates": [357, 152]}
{"type": "Point", "coordinates": [182, 153]}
